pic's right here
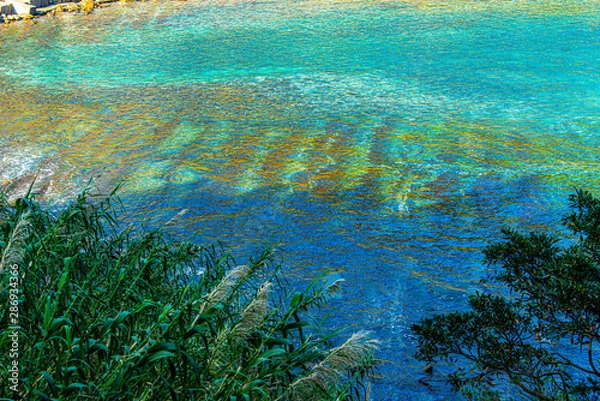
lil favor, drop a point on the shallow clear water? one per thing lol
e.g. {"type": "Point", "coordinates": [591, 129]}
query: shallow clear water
{"type": "Point", "coordinates": [386, 141]}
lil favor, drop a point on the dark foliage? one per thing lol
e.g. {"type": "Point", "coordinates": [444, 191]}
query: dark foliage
{"type": "Point", "coordinates": [542, 336]}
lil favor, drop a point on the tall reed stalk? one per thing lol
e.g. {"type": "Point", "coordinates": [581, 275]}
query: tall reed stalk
{"type": "Point", "coordinates": [108, 312]}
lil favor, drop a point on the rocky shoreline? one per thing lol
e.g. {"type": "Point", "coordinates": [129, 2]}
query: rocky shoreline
{"type": "Point", "coordinates": [15, 10]}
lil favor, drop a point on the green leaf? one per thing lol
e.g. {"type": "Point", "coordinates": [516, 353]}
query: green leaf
{"type": "Point", "coordinates": [166, 309]}
{"type": "Point", "coordinates": [296, 299]}
{"type": "Point", "coordinates": [157, 352]}
{"type": "Point", "coordinates": [194, 331]}
{"type": "Point", "coordinates": [50, 382]}
{"type": "Point", "coordinates": [156, 356]}
{"type": "Point", "coordinates": [278, 341]}
{"type": "Point", "coordinates": [295, 325]}
{"type": "Point", "coordinates": [49, 310]}
{"type": "Point", "coordinates": [268, 355]}
{"type": "Point", "coordinates": [73, 387]}
{"type": "Point", "coordinates": [60, 321]}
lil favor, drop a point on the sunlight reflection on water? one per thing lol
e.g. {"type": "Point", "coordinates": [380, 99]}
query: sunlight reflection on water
{"type": "Point", "coordinates": [386, 141]}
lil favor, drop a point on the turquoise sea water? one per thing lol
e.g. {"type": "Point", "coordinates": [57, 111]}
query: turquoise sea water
{"type": "Point", "coordinates": [385, 141]}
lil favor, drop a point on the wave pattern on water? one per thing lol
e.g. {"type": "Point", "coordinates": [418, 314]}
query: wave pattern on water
{"type": "Point", "coordinates": [387, 141]}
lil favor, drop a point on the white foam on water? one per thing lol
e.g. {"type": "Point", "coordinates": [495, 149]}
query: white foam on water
{"type": "Point", "coordinates": [51, 179]}
{"type": "Point", "coordinates": [16, 163]}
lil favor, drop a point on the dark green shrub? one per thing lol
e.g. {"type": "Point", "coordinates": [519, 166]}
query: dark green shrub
{"type": "Point", "coordinates": [542, 338]}
{"type": "Point", "coordinates": [111, 313]}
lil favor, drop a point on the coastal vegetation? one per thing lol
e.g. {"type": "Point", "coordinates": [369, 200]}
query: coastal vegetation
{"type": "Point", "coordinates": [95, 309]}
{"type": "Point", "coordinates": [541, 334]}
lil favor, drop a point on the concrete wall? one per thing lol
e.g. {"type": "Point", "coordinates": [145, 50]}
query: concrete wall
{"type": "Point", "coordinates": [21, 8]}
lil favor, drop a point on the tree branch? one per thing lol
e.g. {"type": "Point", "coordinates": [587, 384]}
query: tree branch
{"type": "Point", "coordinates": [527, 390]}
{"type": "Point", "coordinates": [591, 357]}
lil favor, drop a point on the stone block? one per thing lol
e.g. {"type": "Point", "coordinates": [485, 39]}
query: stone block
{"type": "Point", "coordinates": [22, 8]}
{"type": "Point", "coordinates": [38, 3]}
{"type": "Point", "coordinates": [7, 9]}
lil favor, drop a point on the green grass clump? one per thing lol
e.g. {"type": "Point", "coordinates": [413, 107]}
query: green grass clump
{"type": "Point", "coordinates": [107, 312]}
